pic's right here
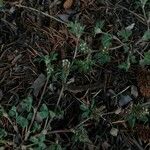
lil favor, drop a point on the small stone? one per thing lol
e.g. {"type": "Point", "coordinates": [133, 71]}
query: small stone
{"type": "Point", "coordinates": [124, 100]}
{"type": "Point", "coordinates": [114, 131]}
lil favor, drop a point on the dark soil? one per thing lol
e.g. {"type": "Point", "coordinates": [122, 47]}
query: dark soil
{"type": "Point", "coordinates": [27, 35]}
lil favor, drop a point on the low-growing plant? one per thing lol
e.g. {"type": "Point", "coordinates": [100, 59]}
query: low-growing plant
{"type": "Point", "coordinates": [80, 135]}
{"type": "Point", "coordinates": [99, 27]}
{"type": "Point", "coordinates": [146, 59]}
{"type": "Point", "coordinates": [127, 64]}
{"type": "Point", "coordinates": [146, 36]}
{"type": "Point", "coordinates": [92, 111]}
{"type": "Point", "coordinates": [76, 28]}
{"type": "Point", "coordinates": [49, 59]}
{"type": "Point", "coordinates": [83, 65]}
{"type": "Point", "coordinates": [125, 34]}
{"type": "Point", "coordinates": [102, 57]}
{"type": "Point", "coordinates": [137, 113]}
{"type": "Point", "coordinates": [106, 40]}
{"type": "Point", "coordinates": [23, 114]}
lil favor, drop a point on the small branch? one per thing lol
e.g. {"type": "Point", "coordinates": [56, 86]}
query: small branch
{"type": "Point", "coordinates": [40, 12]}
{"type": "Point", "coordinates": [145, 17]}
{"type": "Point", "coordinates": [60, 131]}
{"type": "Point", "coordinates": [35, 111]}
{"type": "Point", "coordinates": [84, 121]}
{"type": "Point", "coordinates": [76, 49]}
{"type": "Point", "coordinates": [142, 20]}
{"type": "Point", "coordinates": [60, 95]}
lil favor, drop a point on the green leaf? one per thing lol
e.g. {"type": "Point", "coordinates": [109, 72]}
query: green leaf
{"type": "Point", "coordinates": [49, 59]}
{"type": "Point", "coordinates": [34, 140]}
{"type": "Point", "coordinates": [30, 115]}
{"type": "Point", "coordinates": [106, 40]}
{"type": "Point", "coordinates": [143, 2]}
{"type": "Point", "coordinates": [1, 3]}
{"type": "Point", "coordinates": [84, 107]}
{"type": "Point", "coordinates": [86, 114]}
{"type": "Point", "coordinates": [26, 104]}
{"type": "Point", "coordinates": [125, 65]}
{"type": "Point", "coordinates": [55, 147]}
{"type": "Point", "coordinates": [133, 59]}
{"type": "Point", "coordinates": [39, 141]}
{"type": "Point", "coordinates": [52, 114]}
{"type": "Point", "coordinates": [81, 135]}
{"type": "Point", "coordinates": [13, 112]}
{"type": "Point", "coordinates": [99, 26]}
{"type": "Point", "coordinates": [103, 57]}
{"type": "Point", "coordinates": [41, 138]}
{"type": "Point", "coordinates": [143, 118]}
{"type": "Point", "coordinates": [76, 28]}
{"type": "Point", "coordinates": [126, 48]}
{"type": "Point", "coordinates": [23, 122]}
{"type": "Point", "coordinates": [125, 34]}
{"type": "Point", "coordinates": [146, 60]}
{"type": "Point", "coordinates": [83, 66]}
{"type": "Point", "coordinates": [41, 146]}
{"type": "Point", "coordinates": [83, 47]}
{"type": "Point", "coordinates": [131, 119]}
{"type": "Point", "coordinates": [146, 36]}
{"type": "Point", "coordinates": [44, 112]}
{"type": "Point", "coordinates": [36, 127]}
{"type": "Point", "coordinates": [3, 133]}
{"type": "Point", "coordinates": [59, 113]}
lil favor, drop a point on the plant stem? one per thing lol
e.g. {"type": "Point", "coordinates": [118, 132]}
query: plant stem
{"type": "Point", "coordinates": [76, 48]}
{"type": "Point", "coordinates": [145, 17]}
{"type": "Point", "coordinates": [35, 110]}
{"type": "Point", "coordinates": [60, 95]}
{"type": "Point", "coordinates": [42, 13]}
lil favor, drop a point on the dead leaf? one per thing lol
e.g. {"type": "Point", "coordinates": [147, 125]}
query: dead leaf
{"type": "Point", "coordinates": [124, 100]}
{"type": "Point", "coordinates": [130, 27]}
{"type": "Point", "coordinates": [134, 91]}
{"type": "Point", "coordinates": [67, 4]}
{"type": "Point", "coordinates": [38, 84]}
{"type": "Point", "coordinates": [38, 118]}
{"type": "Point", "coordinates": [118, 111]}
{"type": "Point", "coordinates": [105, 145]}
{"type": "Point", "coordinates": [63, 17]}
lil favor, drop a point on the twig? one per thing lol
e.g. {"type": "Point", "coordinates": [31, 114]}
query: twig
{"type": "Point", "coordinates": [138, 16]}
{"type": "Point", "coordinates": [76, 49]}
{"type": "Point", "coordinates": [121, 91]}
{"type": "Point", "coordinates": [35, 110]}
{"type": "Point", "coordinates": [14, 126]}
{"type": "Point", "coordinates": [118, 122]}
{"type": "Point", "coordinates": [60, 95]}
{"type": "Point", "coordinates": [83, 122]}
{"type": "Point", "coordinates": [77, 89]}
{"type": "Point", "coordinates": [40, 12]}
{"type": "Point", "coordinates": [60, 131]}
{"type": "Point", "coordinates": [147, 104]}
{"type": "Point", "coordinates": [137, 144]}
{"type": "Point", "coordinates": [116, 47]}
{"type": "Point", "coordinates": [144, 13]}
